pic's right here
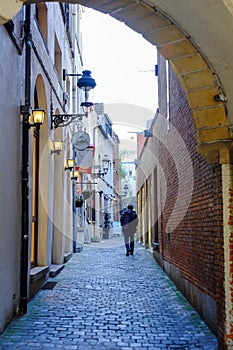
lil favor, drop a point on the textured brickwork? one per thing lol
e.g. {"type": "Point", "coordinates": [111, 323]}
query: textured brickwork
{"type": "Point", "coordinates": [194, 247]}
{"type": "Point", "coordinates": [194, 243]}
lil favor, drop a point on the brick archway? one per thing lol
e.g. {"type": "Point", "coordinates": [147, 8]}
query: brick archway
{"type": "Point", "coordinates": [200, 82]}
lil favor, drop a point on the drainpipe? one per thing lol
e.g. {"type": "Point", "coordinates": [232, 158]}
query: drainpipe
{"type": "Point", "coordinates": [74, 108]}
{"type": "Point", "coordinates": [24, 175]}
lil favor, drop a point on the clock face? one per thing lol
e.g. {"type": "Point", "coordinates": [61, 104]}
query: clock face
{"type": "Point", "coordinates": [80, 140]}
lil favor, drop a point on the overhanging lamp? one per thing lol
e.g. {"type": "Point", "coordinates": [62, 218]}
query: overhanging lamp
{"type": "Point", "coordinates": [86, 83]}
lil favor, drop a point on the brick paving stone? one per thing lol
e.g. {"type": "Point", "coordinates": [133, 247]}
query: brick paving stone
{"type": "Point", "coordinates": [104, 300]}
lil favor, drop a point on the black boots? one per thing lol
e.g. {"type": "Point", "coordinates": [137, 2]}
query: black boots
{"type": "Point", "coordinates": [129, 248]}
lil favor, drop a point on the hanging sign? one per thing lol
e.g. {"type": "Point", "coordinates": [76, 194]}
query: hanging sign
{"type": "Point", "coordinates": [80, 140]}
{"type": "Point", "coordinates": [84, 159]}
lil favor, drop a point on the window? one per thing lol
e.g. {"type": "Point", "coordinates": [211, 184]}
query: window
{"type": "Point", "coordinates": [42, 21]}
{"type": "Point", "coordinates": [57, 58]}
{"type": "Point", "coordinates": [107, 125]}
{"type": "Point", "coordinates": [155, 231]}
{"type": "Point", "coordinates": [68, 93]}
{"type": "Point", "coordinates": [168, 96]}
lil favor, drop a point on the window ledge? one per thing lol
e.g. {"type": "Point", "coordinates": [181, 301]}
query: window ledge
{"type": "Point", "coordinates": [67, 257]}
{"type": "Point", "coordinates": [155, 245]}
{"type": "Point", "coordinates": [55, 270]}
{"type": "Point", "coordinates": [38, 272]}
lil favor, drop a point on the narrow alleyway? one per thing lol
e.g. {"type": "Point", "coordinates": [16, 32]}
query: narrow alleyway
{"type": "Point", "coordinates": [105, 300]}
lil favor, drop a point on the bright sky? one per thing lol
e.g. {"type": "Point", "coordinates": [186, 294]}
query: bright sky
{"type": "Point", "coordinates": [122, 64]}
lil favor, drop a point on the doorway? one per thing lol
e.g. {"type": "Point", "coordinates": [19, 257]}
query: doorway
{"type": "Point", "coordinates": [35, 189]}
{"type": "Point", "coordinates": [35, 194]}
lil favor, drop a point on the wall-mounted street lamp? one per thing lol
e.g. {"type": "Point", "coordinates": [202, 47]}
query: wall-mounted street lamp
{"type": "Point", "coordinates": [98, 174]}
{"type": "Point", "coordinates": [85, 83]}
{"type": "Point", "coordinates": [105, 165]}
{"type": "Point", "coordinates": [75, 175]}
{"type": "Point", "coordinates": [99, 192]}
{"type": "Point", "coordinates": [69, 164]}
{"type": "Point", "coordinates": [56, 147]}
{"type": "Point", "coordinates": [36, 118]}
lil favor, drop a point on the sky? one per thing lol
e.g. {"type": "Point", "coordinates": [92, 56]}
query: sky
{"type": "Point", "coordinates": [122, 63]}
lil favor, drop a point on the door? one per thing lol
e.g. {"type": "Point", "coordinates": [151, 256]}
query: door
{"type": "Point", "coordinates": [35, 195]}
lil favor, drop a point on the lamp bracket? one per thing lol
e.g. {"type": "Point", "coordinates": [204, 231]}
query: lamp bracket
{"type": "Point", "coordinates": [60, 120]}
{"type": "Point", "coordinates": [58, 152]}
{"type": "Point", "coordinates": [88, 183]}
{"type": "Point", "coordinates": [64, 75]}
{"type": "Point", "coordinates": [25, 109]}
{"type": "Point", "coordinates": [25, 112]}
{"type": "Point", "coordinates": [68, 168]}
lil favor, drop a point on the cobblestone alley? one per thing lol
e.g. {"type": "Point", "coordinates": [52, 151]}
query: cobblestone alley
{"type": "Point", "coordinates": [105, 300]}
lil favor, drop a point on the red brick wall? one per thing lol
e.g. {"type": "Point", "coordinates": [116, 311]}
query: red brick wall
{"type": "Point", "coordinates": [196, 245]}
{"type": "Point", "coordinates": [192, 245]}
{"type": "Point", "coordinates": [140, 143]}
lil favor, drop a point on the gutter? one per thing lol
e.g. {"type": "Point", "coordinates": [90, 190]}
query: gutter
{"type": "Point", "coordinates": [25, 110]}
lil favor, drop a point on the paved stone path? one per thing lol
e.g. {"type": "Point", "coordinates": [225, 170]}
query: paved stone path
{"type": "Point", "coordinates": [105, 300]}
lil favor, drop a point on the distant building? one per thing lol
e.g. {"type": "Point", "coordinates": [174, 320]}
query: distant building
{"type": "Point", "coordinates": [102, 181]}
{"type": "Point", "coordinates": [128, 183]}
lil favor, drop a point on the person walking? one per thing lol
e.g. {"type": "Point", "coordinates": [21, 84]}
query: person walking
{"type": "Point", "coordinates": [129, 222]}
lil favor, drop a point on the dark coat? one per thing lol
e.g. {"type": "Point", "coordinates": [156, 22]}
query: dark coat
{"type": "Point", "coordinates": [129, 221]}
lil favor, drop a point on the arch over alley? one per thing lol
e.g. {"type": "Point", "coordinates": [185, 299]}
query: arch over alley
{"type": "Point", "coordinates": [203, 63]}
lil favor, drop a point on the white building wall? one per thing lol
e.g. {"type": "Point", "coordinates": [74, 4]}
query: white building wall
{"type": "Point", "coordinates": [10, 159]}
{"type": "Point", "coordinates": [12, 65]}
{"type": "Point", "coordinates": [103, 189]}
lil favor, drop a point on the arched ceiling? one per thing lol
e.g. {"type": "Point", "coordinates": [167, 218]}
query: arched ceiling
{"type": "Point", "coordinates": [195, 36]}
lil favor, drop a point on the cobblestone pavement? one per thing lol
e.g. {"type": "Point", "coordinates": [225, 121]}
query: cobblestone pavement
{"type": "Point", "coordinates": [105, 300]}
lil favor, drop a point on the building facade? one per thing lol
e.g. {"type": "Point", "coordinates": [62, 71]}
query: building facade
{"type": "Point", "coordinates": [128, 190]}
{"type": "Point", "coordinates": [36, 211]}
{"type": "Point", "coordinates": [103, 204]}
{"type": "Point", "coordinates": [180, 201]}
